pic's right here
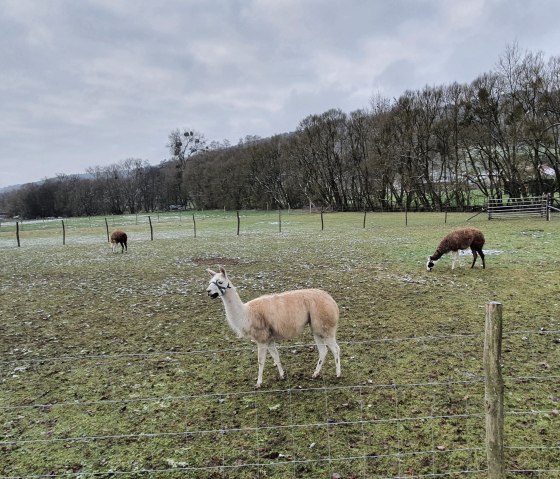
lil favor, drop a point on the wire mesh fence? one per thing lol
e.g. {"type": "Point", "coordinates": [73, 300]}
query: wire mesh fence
{"type": "Point", "coordinates": [112, 401]}
{"type": "Point", "coordinates": [94, 229]}
{"type": "Point", "coordinates": [430, 426]}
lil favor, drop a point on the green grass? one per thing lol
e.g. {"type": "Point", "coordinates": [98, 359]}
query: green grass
{"type": "Point", "coordinates": [120, 362]}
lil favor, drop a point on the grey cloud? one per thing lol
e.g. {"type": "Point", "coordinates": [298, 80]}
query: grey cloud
{"type": "Point", "coordinates": [96, 81]}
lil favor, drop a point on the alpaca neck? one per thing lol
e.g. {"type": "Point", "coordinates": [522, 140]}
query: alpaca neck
{"type": "Point", "coordinates": [236, 311]}
{"type": "Point", "coordinates": [437, 255]}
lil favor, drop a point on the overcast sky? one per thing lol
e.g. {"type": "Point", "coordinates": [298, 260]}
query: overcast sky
{"type": "Point", "coordinates": [88, 83]}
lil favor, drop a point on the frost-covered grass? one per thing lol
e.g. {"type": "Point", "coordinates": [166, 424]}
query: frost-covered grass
{"type": "Point", "coordinates": [120, 362]}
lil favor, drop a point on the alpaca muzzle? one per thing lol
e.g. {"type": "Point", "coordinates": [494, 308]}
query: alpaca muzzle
{"type": "Point", "coordinates": [221, 289]}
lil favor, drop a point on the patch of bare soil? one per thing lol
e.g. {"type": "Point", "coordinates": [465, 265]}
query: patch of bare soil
{"type": "Point", "coordinates": [215, 260]}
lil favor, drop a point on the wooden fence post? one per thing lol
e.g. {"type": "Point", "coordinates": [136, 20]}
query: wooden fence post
{"type": "Point", "coordinates": [151, 228]}
{"type": "Point", "coordinates": [63, 234]}
{"type": "Point", "coordinates": [238, 221]}
{"type": "Point", "coordinates": [194, 225]}
{"type": "Point", "coordinates": [279, 220]}
{"type": "Point", "coordinates": [17, 233]}
{"type": "Point", "coordinates": [107, 228]}
{"type": "Point", "coordinates": [406, 212]}
{"type": "Point", "coordinates": [494, 391]}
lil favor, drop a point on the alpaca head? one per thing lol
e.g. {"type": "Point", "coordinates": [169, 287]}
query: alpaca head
{"type": "Point", "coordinates": [430, 263]}
{"type": "Point", "coordinates": [218, 284]}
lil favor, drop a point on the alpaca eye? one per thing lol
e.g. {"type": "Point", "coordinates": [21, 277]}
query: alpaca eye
{"type": "Point", "coordinates": [220, 282]}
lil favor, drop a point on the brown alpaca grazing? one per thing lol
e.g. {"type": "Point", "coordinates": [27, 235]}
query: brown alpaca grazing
{"type": "Point", "coordinates": [273, 317]}
{"type": "Point", "coordinates": [119, 237]}
{"type": "Point", "coordinates": [459, 240]}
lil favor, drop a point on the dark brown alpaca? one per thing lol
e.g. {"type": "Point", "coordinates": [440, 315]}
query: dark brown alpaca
{"type": "Point", "coordinates": [119, 237]}
{"type": "Point", "coordinates": [459, 240]}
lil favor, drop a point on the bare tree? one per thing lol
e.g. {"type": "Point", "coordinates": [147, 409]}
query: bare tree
{"type": "Point", "coordinates": [183, 144]}
{"type": "Point", "coordinates": [321, 155]}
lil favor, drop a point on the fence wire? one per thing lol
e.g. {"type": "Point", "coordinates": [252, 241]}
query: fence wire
{"type": "Point", "coordinates": [390, 434]}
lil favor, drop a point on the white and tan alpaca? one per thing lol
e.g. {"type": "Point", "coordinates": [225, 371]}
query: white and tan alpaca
{"type": "Point", "coordinates": [274, 317]}
{"type": "Point", "coordinates": [459, 240]}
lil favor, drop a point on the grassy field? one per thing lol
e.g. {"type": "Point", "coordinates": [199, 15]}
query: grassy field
{"type": "Point", "coordinates": [120, 365]}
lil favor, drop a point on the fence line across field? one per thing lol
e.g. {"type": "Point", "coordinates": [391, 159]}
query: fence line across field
{"type": "Point", "coordinates": [360, 422]}
{"type": "Point", "coordinates": [237, 224]}
{"type": "Point", "coordinates": [148, 435]}
{"type": "Point", "coordinates": [265, 464]}
{"type": "Point", "coordinates": [519, 207]}
{"type": "Point", "coordinates": [263, 392]}
{"type": "Point", "coordinates": [124, 221]}
{"type": "Point", "coordinates": [194, 433]}
{"type": "Point", "coordinates": [294, 345]}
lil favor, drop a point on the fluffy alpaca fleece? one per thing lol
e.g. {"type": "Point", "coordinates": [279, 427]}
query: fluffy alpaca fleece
{"type": "Point", "coordinates": [459, 240]}
{"type": "Point", "coordinates": [274, 317]}
{"type": "Point", "coordinates": [118, 237]}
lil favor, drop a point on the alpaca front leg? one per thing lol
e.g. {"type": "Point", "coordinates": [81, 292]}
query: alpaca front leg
{"type": "Point", "coordinates": [276, 358]}
{"type": "Point", "coordinates": [261, 354]}
{"type": "Point", "coordinates": [455, 255]}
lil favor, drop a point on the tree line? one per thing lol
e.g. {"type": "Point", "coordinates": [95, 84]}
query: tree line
{"type": "Point", "coordinates": [438, 147]}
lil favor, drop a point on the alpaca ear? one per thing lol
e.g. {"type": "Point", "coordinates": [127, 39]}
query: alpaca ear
{"type": "Point", "coordinates": [212, 273]}
{"type": "Point", "coordinates": [223, 271]}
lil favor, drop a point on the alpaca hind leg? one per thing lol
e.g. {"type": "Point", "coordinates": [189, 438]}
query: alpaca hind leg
{"type": "Point", "coordinates": [261, 354]}
{"type": "Point", "coordinates": [481, 253]}
{"type": "Point", "coordinates": [322, 347]}
{"type": "Point", "coordinates": [475, 255]}
{"type": "Point", "coordinates": [335, 349]}
{"type": "Point", "coordinates": [276, 358]}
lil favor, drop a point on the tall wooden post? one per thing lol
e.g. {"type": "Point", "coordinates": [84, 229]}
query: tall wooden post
{"type": "Point", "coordinates": [151, 228]}
{"type": "Point", "coordinates": [238, 221]}
{"type": "Point", "coordinates": [17, 233]}
{"type": "Point", "coordinates": [406, 210]}
{"type": "Point", "coordinates": [194, 225]}
{"type": "Point", "coordinates": [494, 391]}
{"type": "Point", "coordinates": [107, 228]}
{"type": "Point", "coordinates": [63, 234]}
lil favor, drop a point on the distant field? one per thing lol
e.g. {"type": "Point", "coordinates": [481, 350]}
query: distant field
{"type": "Point", "coordinates": [119, 365]}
